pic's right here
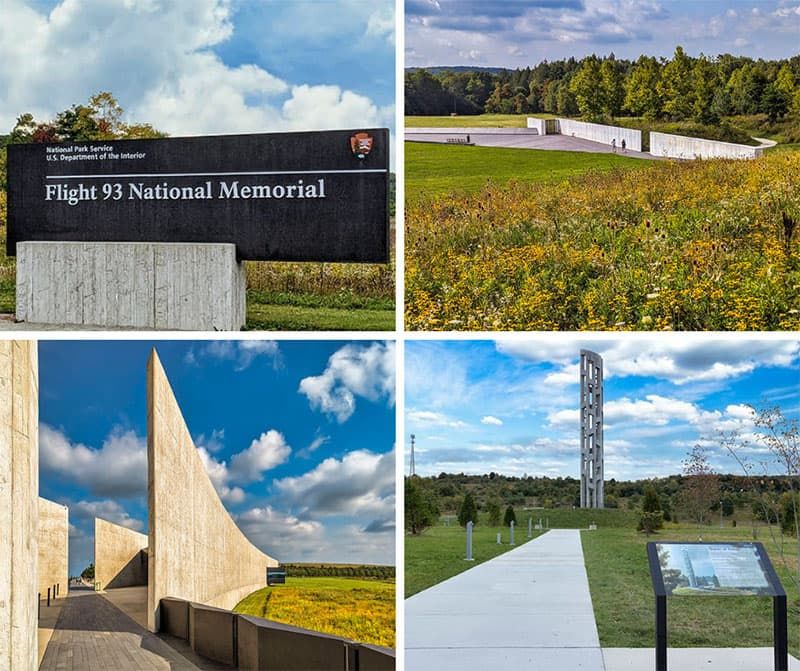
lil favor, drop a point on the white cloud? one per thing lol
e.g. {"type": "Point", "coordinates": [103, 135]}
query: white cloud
{"type": "Point", "coordinates": [313, 446]}
{"type": "Point", "coordinates": [242, 352]}
{"type": "Point", "coordinates": [490, 419]}
{"type": "Point", "coordinates": [212, 442]}
{"type": "Point", "coordinates": [220, 477]}
{"type": "Point", "coordinates": [353, 370]}
{"type": "Point", "coordinates": [158, 60]}
{"type": "Point", "coordinates": [360, 484]}
{"type": "Point", "coordinates": [265, 452]}
{"type": "Point", "coordinates": [118, 468]}
{"type": "Point", "coordinates": [108, 510]}
{"type": "Point", "coordinates": [680, 361]}
{"type": "Point", "coordinates": [430, 417]}
{"type": "Point", "coordinates": [289, 538]}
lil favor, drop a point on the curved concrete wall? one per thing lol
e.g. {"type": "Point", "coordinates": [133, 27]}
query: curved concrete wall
{"type": "Point", "coordinates": [19, 519]}
{"type": "Point", "coordinates": [196, 551]}
{"type": "Point", "coordinates": [53, 540]}
{"type": "Point", "coordinates": [120, 555]}
{"type": "Point", "coordinates": [681, 146]}
{"type": "Point", "coordinates": [600, 133]}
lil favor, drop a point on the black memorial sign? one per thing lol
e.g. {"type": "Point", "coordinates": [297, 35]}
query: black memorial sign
{"type": "Point", "coordinates": [312, 196]}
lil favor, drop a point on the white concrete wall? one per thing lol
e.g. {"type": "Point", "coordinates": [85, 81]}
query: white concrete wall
{"type": "Point", "coordinates": [681, 146]}
{"type": "Point", "coordinates": [196, 551]}
{"type": "Point", "coordinates": [539, 124]}
{"type": "Point", "coordinates": [600, 133]}
{"type": "Point", "coordinates": [118, 555]}
{"type": "Point", "coordinates": [169, 286]}
{"type": "Point", "coordinates": [19, 504]}
{"type": "Point", "coordinates": [53, 540]}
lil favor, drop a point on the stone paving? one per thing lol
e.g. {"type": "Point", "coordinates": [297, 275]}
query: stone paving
{"type": "Point", "coordinates": [93, 635]}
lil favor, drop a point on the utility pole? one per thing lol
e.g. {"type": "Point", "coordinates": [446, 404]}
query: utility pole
{"type": "Point", "coordinates": [413, 468]}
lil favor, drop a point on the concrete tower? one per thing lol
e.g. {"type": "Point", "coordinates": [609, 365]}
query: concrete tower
{"type": "Point", "coordinates": [591, 430]}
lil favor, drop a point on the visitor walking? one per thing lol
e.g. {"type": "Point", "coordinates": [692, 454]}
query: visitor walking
{"type": "Point", "coordinates": [623, 145]}
{"type": "Point", "coordinates": [614, 145]}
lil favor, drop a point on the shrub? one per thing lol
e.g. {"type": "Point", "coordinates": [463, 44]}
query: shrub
{"type": "Point", "coordinates": [509, 517]}
{"type": "Point", "coordinates": [468, 512]}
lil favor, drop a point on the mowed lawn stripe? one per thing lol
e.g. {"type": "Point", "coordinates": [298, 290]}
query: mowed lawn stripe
{"type": "Point", "coordinates": [440, 169]}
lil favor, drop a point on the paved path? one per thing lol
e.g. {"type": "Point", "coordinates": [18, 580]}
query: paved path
{"type": "Point", "coordinates": [93, 635]}
{"type": "Point", "coordinates": [517, 138]}
{"type": "Point", "coordinates": [694, 659]}
{"type": "Point", "coordinates": [529, 608]}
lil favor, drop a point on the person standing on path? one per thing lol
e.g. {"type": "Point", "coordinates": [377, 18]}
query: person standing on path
{"type": "Point", "coordinates": [614, 145]}
{"type": "Point", "coordinates": [623, 145]}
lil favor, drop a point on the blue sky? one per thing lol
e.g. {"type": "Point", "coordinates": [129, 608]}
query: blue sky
{"type": "Point", "coordinates": [193, 67]}
{"type": "Point", "coordinates": [511, 406]}
{"type": "Point", "coordinates": [281, 427]}
{"type": "Point", "coordinates": [525, 32]}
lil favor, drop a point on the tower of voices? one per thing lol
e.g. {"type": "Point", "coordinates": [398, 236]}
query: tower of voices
{"type": "Point", "coordinates": [591, 430]}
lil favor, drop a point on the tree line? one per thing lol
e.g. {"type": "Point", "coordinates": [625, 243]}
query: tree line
{"type": "Point", "coordinates": [701, 89]}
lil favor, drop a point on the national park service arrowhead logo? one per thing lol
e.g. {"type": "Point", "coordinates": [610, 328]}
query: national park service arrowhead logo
{"type": "Point", "coordinates": [361, 144]}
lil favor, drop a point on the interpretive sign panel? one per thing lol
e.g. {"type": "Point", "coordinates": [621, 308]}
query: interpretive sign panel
{"type": "Point", "coordinates": [715, 569]}
{"type": "Point", "coordinates": [312, 196]}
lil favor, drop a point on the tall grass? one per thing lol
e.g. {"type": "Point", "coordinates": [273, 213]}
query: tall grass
{"type": "Point", "coordinates": [701, 245]}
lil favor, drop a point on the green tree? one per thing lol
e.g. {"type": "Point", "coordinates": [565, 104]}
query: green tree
{"type": "Point", "coordinates": [509, 517]}
{"type": "Point", "coordinates": [774, 103]}
{"type": "Point", "coordinates": [613, 88]}
{"type": "Point", "coordinates": [468, 512]}
{"type": "Point", "coordinates": [652, 517]}
{"type": "Point", "coordinates": [494, 513]}
{"type": "Point", "coordinates": [704, 81]}
{"type": "Point", "coordinates": [675, 86]}
{"type": "Point", "coordinates": [587, 86]}
{"type": "Point", "coordinates": [88, 573]}
{"type": "Point", "coordinates": [642, 97]}
{"type": "Point", "coordinates": [421, 507]}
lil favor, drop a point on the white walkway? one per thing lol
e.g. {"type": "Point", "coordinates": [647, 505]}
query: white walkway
{"type": "Point", "coordinates": [529, 608]}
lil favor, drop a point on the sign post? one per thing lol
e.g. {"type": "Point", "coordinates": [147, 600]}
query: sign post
{"type": "Point", "coordinates": [715, 569]}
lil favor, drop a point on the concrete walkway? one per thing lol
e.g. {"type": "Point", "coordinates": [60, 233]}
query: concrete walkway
{"type": "Point", "coordinates": [529, 608]}
{"type": "Point", "coordinates": [517, 138]}
{"type": "Point", "coordinates": [694, 659]}
{"type": "Point", "coordinates": [93, 635]}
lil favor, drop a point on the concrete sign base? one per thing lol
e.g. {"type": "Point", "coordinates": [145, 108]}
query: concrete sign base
{"type": "Point", "coordinates": [140, 285]}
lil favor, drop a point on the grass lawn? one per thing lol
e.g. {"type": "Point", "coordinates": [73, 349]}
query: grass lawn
{"type": "Point", "coordinates": [438, 169]}
{"type": "Point", "coordinates": [475, 121]}
{"type": "Point", "coordinates": [362, 610]}
{"type": "Point", "coordinates": [622, 594]}
{"type": "Point", "coordinates": [275, 311]}
{"type": "Point", "coordinates": [438, 553]}
{"type": "Point", "coordinates": [313, 312]}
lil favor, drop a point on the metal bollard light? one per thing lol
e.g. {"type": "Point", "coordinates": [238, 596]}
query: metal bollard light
{"type": "Point", "coordinates": [469, 541]}
{"type": "Point", "coordinates": [499, 542]}
{"type": "Point", "coordinates": [512, 532]}
{"type": "Point", "coordinates": [530, 530]}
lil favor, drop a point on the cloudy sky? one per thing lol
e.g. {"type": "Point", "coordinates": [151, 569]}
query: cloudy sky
{"type": "Point", "coordinates": [194, 67]}
{"type": "Point", "coordinates": [518, 33]}
{"type": "Point", "coordinates": [297, 437]}
{"type": "Point", "coordinates": [512, 406]}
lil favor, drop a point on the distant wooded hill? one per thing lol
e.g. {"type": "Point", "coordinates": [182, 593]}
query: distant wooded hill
{"type": "Point", "coordinates": [704, 89]}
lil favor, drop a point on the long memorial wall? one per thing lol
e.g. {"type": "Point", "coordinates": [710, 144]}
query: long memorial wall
{"type": "Point", "coordinates": [600, 133]}
{"type": "Point", "coordinates": [19, 518]}
{"type": "Point", "coordinates": [120, 555]}
{"type": "Point", "coordinates": [539, 125]}
{"type": "Point", "coordinates": [196, 551]}
{"type": "Point", "coordinates": [53, 552]}
{"type": "Point", "coordinates": [681, 146]}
